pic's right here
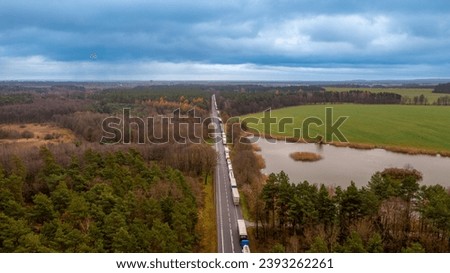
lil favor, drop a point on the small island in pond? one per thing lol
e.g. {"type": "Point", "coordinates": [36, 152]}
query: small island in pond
{"type": "Point", "coordinates": [305, 156]}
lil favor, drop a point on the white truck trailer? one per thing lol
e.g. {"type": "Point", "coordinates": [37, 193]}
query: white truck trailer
{"type": "Point", "coordinates": [243, 238]}
{"type": "Point", "coordinates": [233, 182]}
{"type": "Point", "coordinates": [235, 196]}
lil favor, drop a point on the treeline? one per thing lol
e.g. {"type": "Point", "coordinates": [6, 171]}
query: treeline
{"type": "Point", "coordinates": [24, 104]}
{"type": "Point", "coordinates": [445, 100]}
{"type": "Point", "coordinates": [195, 96]}
{"type": "Point", "coordinates": [422, 100]}
{"type": "Point", "coordinates": [15, 98]}
{"type": "Point", "coordinates": [9, 89]}
{"type": "Point", "coordinates": [442, 88]}
{"type": "Point", "coordinates": [86, 125]}
{"type": "Point", "coordinates": [393, 213]}
{"type": "Point", "coordinates": [416, 100]}
{"type": "Point", "coordinates": [246, 163]}
{"type": "Point", "coordinates": [191, 159]}
{"type": "Point", "coordinates": [38, 87]}
{"type": "Point", "coordinates": [83, 111]}
{"type": "Point", "coordinates": [101, 200]}
{"type": "Point", "coordinates": [41, 109]}
{"type": "Point", "coordinates": [247, 101]}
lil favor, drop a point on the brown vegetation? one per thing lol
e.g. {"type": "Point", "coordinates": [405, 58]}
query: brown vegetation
{"type": "Point", "coordinates": [305, 156]}
{"type": "Point", "coordinates": [34, 134]}
{"type": "Point", "coordinates": [41, 110]}
{"type": "Point", "coordinates": [256, 147]}
{"type": "Point", "coordinates": [359, 146]}
{"type": "Point", "coordinates": [394, 149]}
{"type": "Point", "coordinates": [247, 165]}
{"type": "Point", "coordinates": [400, 173]}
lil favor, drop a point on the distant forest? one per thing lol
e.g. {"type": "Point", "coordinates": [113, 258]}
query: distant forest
{"type": "Point", "coordinates": [250, 100]}
{"type": "Point", "coordinates": [442, 88]}
{"type": "Point", "coordinates": [60, 102]}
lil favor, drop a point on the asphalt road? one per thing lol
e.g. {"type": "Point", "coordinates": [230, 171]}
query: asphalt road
{"type": "Point", "coordinates": [226, 212]}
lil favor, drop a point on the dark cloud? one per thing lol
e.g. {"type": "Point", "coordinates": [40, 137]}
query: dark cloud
{"type": "Point", "coordinates": [302, 33]}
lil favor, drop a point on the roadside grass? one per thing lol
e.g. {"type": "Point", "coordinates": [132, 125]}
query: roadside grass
{"type": "Point", "coordinates": [244, 206]}
{"type": "Point", "coordinates": [206, 225]}
{"type": "Point", "coordinates": [401, 128]}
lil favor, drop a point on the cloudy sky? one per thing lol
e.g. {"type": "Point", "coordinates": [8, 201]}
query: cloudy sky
{"type": "Point", "coordinates": [224, 40]}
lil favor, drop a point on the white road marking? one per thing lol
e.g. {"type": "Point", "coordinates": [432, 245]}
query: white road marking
{"type": "Point", "coordinates": [231, 235]}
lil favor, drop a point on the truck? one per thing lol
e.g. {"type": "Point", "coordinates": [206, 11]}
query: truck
{"type": "Point", "coordinates": [214, 100]}
{"type": "Point", "coordinates": [235, 196]}
{"type": "Point", "coordinates": [233, 182]}
{"type": "Point", "coordinates": [246, 249]}
{"type": "Point", "coordinates": [242, 230]}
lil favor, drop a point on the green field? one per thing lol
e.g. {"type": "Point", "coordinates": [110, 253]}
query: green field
{"type": "Point", "coordinates": [405, 126]}
{"type": "Point", "coordinates": [404, 92]}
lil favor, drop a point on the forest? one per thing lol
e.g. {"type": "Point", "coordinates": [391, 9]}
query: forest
{"type": "Point", "coordinates": [110, 202]}
{"type": "Point", "coordinates": [64, 191]}
{"type": "Point", "coordinates": [393, 213]}
{"type": "Point", "coordinates": [84, 196]}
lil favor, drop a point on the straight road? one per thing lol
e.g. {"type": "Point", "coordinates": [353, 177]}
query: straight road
{"type": "Point", "coordinates": [226, 212]}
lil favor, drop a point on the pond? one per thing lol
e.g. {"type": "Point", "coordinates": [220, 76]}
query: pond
{"type": "Point", "coordinates": [339, 165]}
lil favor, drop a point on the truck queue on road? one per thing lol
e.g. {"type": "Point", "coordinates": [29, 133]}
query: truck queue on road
{"type": "Point", "coordinates": [243, 239]}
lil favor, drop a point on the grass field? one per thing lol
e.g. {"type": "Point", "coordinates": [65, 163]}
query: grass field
{"type": "Point", "coordinates": [425, 128]}
{"type": "Point", "coordinates": [405, 92]}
